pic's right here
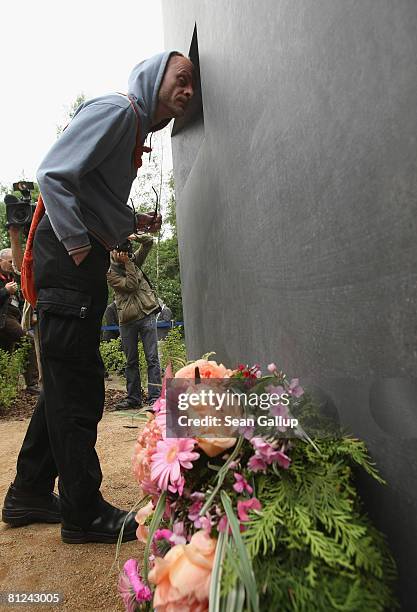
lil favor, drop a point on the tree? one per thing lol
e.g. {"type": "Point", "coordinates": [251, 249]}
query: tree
{"type": "Point", "coordinates": [70, 113]}
{"type": "Point", "coordinates": [162, 264]}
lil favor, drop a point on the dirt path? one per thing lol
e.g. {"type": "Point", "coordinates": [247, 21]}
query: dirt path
{"type": "Point", "coordinates": [33, 558]}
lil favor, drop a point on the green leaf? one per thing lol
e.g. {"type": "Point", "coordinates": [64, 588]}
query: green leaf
{"type": "Point", "coordinates": [139, 504]}
{"type": "Point", "coordinates": [215, 468]}
{"type": "Point", "coordinates": [245, 568]}
{"type": "Point", "coordinates": [216, 574]}
{"type": "Point", "coordinates": [221, 475]}
{"type": "Point", "coordinates": [236, 598]}
{"type": "Point", "coordinates": [156, 519]}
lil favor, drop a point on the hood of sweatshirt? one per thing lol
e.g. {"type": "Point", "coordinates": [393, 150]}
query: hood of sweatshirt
{"type": "Point", "coordinates": [144, 83]}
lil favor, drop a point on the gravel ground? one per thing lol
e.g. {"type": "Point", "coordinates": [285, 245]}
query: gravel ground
{"type": "Point", "coordinates": [33, 558]}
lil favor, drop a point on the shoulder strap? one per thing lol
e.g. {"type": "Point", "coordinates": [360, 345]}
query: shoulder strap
{"type": "Point", "coordinates": [27, 275]}
{"type": "Point", "coordinates": [139, 148]}
{"type": "Point", "coordinates": [148, 280]}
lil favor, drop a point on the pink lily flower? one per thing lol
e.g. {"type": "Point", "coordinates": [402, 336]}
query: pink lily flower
{"type": "Point", "coordinates": [194, 513]}
{"type": "Point", "coordinates": [177, 536]}
{"type": "Point", "coordinates": [283, 460]}
{"type": "Point", "coordinates": [295, 389]}
{"type": "Point", "coordinates": [174, 537]}
{"type": "Point", "coordinates": [241, 484]}
{"type": "Point", "coordinates": [222, 524]}
{"type": "Point", "coordinates": [257, 464]}
{"type": "Point", "coordinates": [244, 506]}
{"type": "Point", "coordinates": [162, 534]}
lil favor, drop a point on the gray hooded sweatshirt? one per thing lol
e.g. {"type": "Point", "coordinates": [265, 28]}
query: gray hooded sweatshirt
{"type": "Point", "coordinates": [86, 177]}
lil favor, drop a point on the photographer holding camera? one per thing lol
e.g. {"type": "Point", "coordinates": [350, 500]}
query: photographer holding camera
{"type": "Point", "coordinates": [85, 181]}
{"type": "Point", "coordinates": [19, 214]}
{"type": "Point", "coordinates": [11, 331]}
{"type": "Point", "coordinates": [137, 306]}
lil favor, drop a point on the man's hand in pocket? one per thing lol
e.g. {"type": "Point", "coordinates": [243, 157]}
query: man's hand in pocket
{"type": "Point", "coordinates": [81, 255]}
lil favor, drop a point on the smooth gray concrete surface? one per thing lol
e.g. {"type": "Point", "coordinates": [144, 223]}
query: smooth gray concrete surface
{"type": "Point", "coordinates": [296, 202]}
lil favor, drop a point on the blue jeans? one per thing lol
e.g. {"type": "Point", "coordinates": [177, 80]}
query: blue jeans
{"type": "Point", "coordinates": [129, 333]}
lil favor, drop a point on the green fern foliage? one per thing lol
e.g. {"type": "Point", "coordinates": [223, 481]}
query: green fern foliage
{"type": "Point", "coordinates": [312, 547]}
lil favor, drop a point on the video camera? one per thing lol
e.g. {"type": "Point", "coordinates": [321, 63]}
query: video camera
{"type": "Point", "coordinates": [19, 212]}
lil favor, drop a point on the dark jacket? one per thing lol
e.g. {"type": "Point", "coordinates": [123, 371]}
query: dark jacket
{"type": "Point", "coordinates": [5, 305]}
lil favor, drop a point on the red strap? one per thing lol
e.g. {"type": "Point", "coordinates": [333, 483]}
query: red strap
{"type": "Point", "coordinates": [139, 148]}
{"type": "Point", "coordinates": [27, 275]}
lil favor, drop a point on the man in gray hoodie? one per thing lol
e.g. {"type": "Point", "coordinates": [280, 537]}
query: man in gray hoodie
{"type": "Point", "coordinates": [85, 182]}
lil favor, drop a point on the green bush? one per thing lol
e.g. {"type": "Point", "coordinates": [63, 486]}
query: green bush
{"type": "Point", "coordinates": [11, 367]}
{"type": "Point", "coordinates": [115, 361]}
{"type": "Point", "coordinates": [112, 355]}
{"type": "Point", "coordinates": [143, 367]}
{"type": "Point", "coordinates": [172, 349]}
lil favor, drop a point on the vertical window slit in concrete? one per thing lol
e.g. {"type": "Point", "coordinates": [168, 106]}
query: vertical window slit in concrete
{"type": "Point", "coordinates": [188, 131]}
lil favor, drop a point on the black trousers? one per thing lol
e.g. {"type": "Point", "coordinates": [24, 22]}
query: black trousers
{"type": "Point", "coordinates": [62, 433]}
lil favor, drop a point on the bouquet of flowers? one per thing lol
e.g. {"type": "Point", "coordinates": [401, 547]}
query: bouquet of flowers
{"type": "Point", "coordinates": [261, 520]}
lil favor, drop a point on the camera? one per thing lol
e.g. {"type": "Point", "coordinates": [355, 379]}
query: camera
{"type": "Point", "coordinates": [126, 247]}
{"type": "Point", "coordinates": [19, 212]}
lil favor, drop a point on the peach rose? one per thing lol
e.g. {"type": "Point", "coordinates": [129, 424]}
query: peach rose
{"type": "Point", "coordinates": [182, 577]}
{"type": "Point", "coordinates": [215, 446]}
{"type": "Point", "coordinates": [207, 369]}
{"type": "Point", "coordinates": [141, 516]}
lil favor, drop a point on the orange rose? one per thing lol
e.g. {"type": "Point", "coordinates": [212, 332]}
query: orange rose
{"type": "Point", "coordinates": [182, 577]}
{"type": "Point", "coordinates": [207, 369]}
{"type": "Point", "coordinates": [215, 446]}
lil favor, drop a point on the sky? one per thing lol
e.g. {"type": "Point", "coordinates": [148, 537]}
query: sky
{"type": "Point", "coordinates": [54, 50]}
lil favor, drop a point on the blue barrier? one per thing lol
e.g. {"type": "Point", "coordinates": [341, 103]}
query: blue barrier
{"type": "Point", "coordinates": [161, 324]}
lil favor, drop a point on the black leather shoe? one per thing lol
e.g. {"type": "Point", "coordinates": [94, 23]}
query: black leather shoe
{"type": "Point", "coordinates": [22, 509]}
{"type": "Point", "coordinates": [125, 405]}
{"type": "Point", "coordinates": [105, 528]}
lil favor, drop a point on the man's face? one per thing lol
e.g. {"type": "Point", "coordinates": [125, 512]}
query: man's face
{"type": "Point", "coordinates": [176, 89]}
{"type": "Point", "coordinates": [6, 262]}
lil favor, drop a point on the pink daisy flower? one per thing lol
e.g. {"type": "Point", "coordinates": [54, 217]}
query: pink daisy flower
{"type": "Point", "coordinates": [171, 455]}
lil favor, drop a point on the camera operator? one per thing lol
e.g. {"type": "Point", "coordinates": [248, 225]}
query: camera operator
{"type": "Point", "coordinates": [11, 331]}
{"type": "Point", "coordinates": [137, 306]}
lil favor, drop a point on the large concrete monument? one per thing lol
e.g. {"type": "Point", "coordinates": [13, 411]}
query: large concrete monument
{"type": "Point", "coordinates": [296, 189]}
